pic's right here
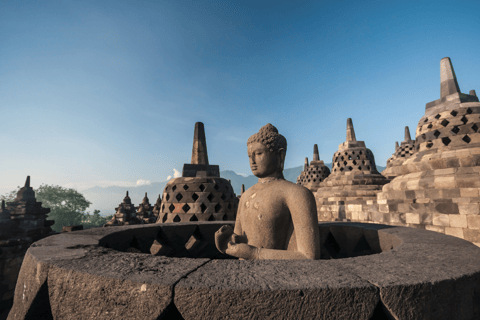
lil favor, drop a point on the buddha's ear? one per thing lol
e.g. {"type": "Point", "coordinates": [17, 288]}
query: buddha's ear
{"type": "Point", "coordinates": [281, 153]}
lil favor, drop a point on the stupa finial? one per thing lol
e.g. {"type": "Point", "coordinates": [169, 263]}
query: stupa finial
{"type": "Point", "coordinates": [306, 164]}
{"type": "Point", "coordinates": [127, 194]}
{"type": "Point", "coordinates": [396, 145]}
{"type": "Point", "coordinates": [3, 204]}
{"type": "Point", "coordinates": [316, 157]}
{"type": "Point", "coordinates": [448, 79]}
{"type": "Point", "coordinates": [350, 131]}
{"type": "Point", "coordinates": [243, 188]}
{"type": "Point", "coordinates": [472, 93]}
{"type": "Point", "coordinates": [407, 134]}
{"type": "Point", "coordinates": [199, 150]}
{"type": "Point", "coordinates": [27, 182]}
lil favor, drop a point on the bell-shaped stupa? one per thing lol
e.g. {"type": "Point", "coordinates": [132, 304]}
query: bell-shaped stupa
{"type": "Point", "coordinates": [144, 211]}
{"type": "Point", "coordinates": [402, 153]}
{"type": "Point", "coordinates": [437, 188]}
{"type": "Point", "coordinates": [126, 214]}
{"type": "Point", "coordinates": [314, 173]}
{"type": "Point", "coordinates": [199, 194]}
{"type": "Point", "coordinates": [156, 208]}
{"type": "Point", "coordinates": [352, 184]}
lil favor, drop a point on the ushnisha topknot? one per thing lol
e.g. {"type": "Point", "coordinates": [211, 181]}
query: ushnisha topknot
{"type": "Point", "coordinates": [268, 136]}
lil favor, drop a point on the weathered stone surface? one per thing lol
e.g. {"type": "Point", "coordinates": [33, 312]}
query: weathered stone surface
{"type": "Point", "coordinates": [313, 174]}
{"type": "Point", "coordinates": [416, 274]}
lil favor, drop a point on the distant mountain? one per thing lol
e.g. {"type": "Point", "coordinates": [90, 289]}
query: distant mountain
{"type": "Point", "coordinates": [107, 199]}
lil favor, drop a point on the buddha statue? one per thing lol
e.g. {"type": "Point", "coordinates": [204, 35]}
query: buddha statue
{"type": "Point", "coordinates": [276, 218]}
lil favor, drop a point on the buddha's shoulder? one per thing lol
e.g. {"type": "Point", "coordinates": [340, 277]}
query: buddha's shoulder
{"type": "Point", "coordinates": [294, 189]}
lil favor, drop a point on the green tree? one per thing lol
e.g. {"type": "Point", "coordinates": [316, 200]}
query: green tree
{"type": "Point", "coordinates": [93, 220]}
{"type": "Point", "coordinates": [67, 206]}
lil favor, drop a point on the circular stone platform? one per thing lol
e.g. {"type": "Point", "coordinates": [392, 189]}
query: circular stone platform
{"type": "Point", "coordinates": [109, 273]}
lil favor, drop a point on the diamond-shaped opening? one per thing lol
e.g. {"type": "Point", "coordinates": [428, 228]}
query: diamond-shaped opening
{"type": "Point", "coordinates": [179, 197]}
{"type": "Point", "coordinates": [164, 217]}
{"type": "Point", "coordinates": [342, 158]}
{"type": "Point", "coordinates": [353, 152]}
{"type": "Point", "coordinates": [174, 188]}
{"type": "Point", "coordinates": [223, 197]}
{"type": "Point", "coordinates": [426, 120]}
{"type": "Point", "coordinates": [368, 167]}
{"type": "Point", "coordinates": [216, 187]}
{"type": "Point", "coordinates": [455, 130]}
{"type": "Point", "coordinates": [349, 157]}
{"type": "Point", "coordinates": [345, 163]}
{"type": "Point", "coordinates": [210, 197]}
{"type": "Point", "coordinates": [445, 122]}
{"type": "Point", "coordinates": [430, 126]}
{"type": "Point", "coordinates": [314, 180]}
{"type": "Point", "coordinates": [429, 144]}
{"type": "Point", "coordinates": [168, 197]}
{"type": "Point", "coordinates": [437, 116]}
{"type": "Point", "coordinates": [193, 218]}
{"type": "Point", "coordinates": [224, 218]}
{"type": "Point", "coordinates": [466, 139]}
{"type": "Point", "coordinates": [331, 246]}
{"type": "Point", "coordinates": [341, 169]}
{"type": "Point", "coordinates": [469, 111]}
{"type": "Point", "coordinates": [362, 245]}
{"type": "Point", "coordinates": [185, 187]}
{"type": "Point", "coordinates": [185, 208]}
{"type": "Point", "coordinates": [203, 207]}
{"type": "Point", "coordinates": [464, 120]}
{"type": "Point", "coordinates": [359, 168]}
{"type": "Point", "coordinates": [350, 168]}
{"type": "Point", "coordinates": [474, 128]}
{"type": "Point", "coordinates": [354, 162]}
{"type": "Point", "coordinates": [229, 206]}
{"type": "Point", "coordinates": [195, 197]}
{"type": "Point", "coordinates": [176, 218]}
{"type": "Point", "coordinates": [346, 153]}
{"type": "Point", "coordinates": [363, 162]}
{"type": "Point", "coordinates": [454, 113]}
{"type": "Point", "coordinates": [201, 187]}
{"type": "Point", "coordinates": [360, 152]}
{"type": "Point", "coordinates": [436, 133]}
{"type": "Point", "coordinates": [419, 128]}
{"type": "Point", "coordinates": [211, 218]}
{"type": "Point", "coordinates": [171, 208]}
{"type": "Point", "coordinates": [424, 136]}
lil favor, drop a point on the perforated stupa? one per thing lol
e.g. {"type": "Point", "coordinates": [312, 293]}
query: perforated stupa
{"type": "Point", "coordinates": [199, 194]}
{"type": "Point", "coordinates": [402, 153]}
{"type": "Point", "coordinates": [437, 188]}
{"type": "Point", "coordinates": [313, 174]}
{"type": "Point", "coordinates": [354, 180]}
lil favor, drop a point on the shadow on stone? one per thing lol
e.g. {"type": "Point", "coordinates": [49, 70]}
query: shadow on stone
{"type": "Point", "coordinates": [171, 313]}
{"type": "Point", "coordinates": [40, 308]}
{"type": "Point", "coordinates": [381, 312]}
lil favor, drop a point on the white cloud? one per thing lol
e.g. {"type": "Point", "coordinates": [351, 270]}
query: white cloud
{"type": "Point", "coordinates": [176, 173]}
{"type": "Point", "coordinates": [141, 182]}
{"type": "Point", "coordinates": [169, 177]}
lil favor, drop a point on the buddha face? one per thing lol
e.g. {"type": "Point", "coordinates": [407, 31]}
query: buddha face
{"type": "Point", "coordinates": [263, 162]}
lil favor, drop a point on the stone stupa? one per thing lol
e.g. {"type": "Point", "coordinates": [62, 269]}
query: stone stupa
{"type": "Point", "coordinates": [437, 188]}
{"type": "Point", "coordinates": [402, 153]}
{"type": "Point", "coordinates": [315, 173]}
{"type": "Point", "coordinates": [156, 208]}
{"type": "Point", "coordinates": [199, 194]}
{"type": "Point", "coordinates": [144, 211]}
{"type": "Point", "coordinates": [353, 183]}
{"type": "Point", "coordinates": [126, 214]}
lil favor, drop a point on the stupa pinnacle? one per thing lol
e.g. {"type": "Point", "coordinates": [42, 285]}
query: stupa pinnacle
{"type": "Point", "coordinates": [402, 153]}
{"type": "Point", "coordinates": [199, 166]}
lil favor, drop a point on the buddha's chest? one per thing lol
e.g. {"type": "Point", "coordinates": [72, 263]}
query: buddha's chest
{"type": "Point", "coordinates": [264, 209]}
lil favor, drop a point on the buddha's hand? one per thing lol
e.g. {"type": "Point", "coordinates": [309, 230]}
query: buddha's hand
{"type": "Point", "coordinates": [222, 237]}
{"type": "Point", "coordinates": [242, 250]}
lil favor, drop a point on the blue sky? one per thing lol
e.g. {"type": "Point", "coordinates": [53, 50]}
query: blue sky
{"type": "Point", "coordinates": [108, 92]}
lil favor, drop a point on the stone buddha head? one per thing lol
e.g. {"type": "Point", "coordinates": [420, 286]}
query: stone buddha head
{"type": "Point", "coordinates": [266, 152]}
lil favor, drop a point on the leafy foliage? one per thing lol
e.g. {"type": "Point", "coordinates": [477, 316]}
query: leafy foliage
{"type": "Point", "coordinates": [93, 220]}
{"type": "Point", "coordinates": [9, 197]}
{"type": "Point", "coordinates": [67, 206]}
